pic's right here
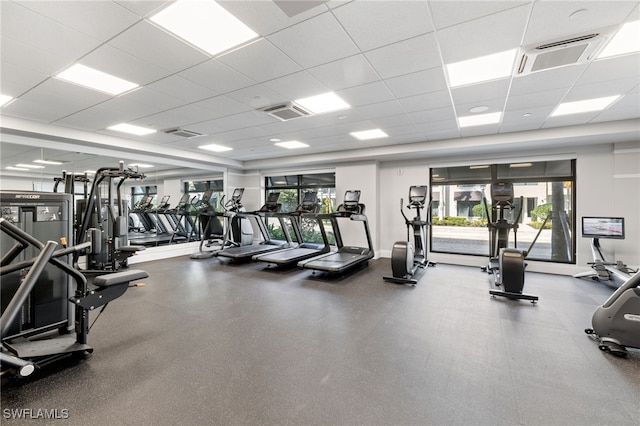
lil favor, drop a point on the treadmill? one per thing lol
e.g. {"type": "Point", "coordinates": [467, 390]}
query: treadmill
{"type": "Point", "coordinates": [286, 257]}
{"type": "Point", "coordinates": [246, 253]}
{"type": "Point", "coordinates": [346, 257]}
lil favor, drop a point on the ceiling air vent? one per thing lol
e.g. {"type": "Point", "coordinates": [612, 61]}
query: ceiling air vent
{"type": "Point", "coordinates": [571, 51]}
{"type": "Point", "coordinates": [286, 111]}
{"type": "Point", "coordinates": [177, 131]}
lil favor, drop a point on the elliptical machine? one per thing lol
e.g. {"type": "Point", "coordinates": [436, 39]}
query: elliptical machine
{"type": "Point", "coordinates": [616, 324]}
{"type": "Point", "coordinates": [407, 258]}
{"type": "Point", "coordinates": [506, 265]}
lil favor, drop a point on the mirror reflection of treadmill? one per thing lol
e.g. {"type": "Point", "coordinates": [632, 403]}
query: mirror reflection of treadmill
{"type": "Point", "coordinates": [305, 249]}
{"type": "Point", "coordinates": [162, 234]}
{"type": "Point", "coordinates": [346, 257]}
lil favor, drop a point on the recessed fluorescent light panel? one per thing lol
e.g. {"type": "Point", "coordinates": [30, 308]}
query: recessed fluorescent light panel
{"type": "Point", "coordinates": [140, 165]}
{"type": "Point", "coordinates": [480, 120]}
{"type": "Point", "coordinates": [520, 165]}
{"type": "Point", "coordinates": [325, 102]}
{"type": "Point", "coordinates": [55, 163]}
{"type": "Point", "coordinates": [483, 68]}
{"type": "Point", "coordinates": [204, 24]}
{"type": "Point", "coordinates": [215, 148]}
{"type": "Point", "coordinates": [588, 105]}
{"type": "Point", "coordinates": [22, 169]}
{"type": "Point", "coordinates": [626, 40]}
{"type": "Point", "coordinates": [292, 144]}
{"type": "Point", "coordinates": [369, 134]}
{"type": "Point", "coordinates": [131, 129]}
{"type": "Point", "coordinates": [96, 80]}
{"type": "Point", "coordinates": [5, 100]}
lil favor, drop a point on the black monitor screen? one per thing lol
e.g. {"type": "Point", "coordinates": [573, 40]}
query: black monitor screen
{"type": "Point", "coordinates": [502, 191]}
{"type": "Point", "coordinates": [417, 194]}
{"type": "Point", "coordinates": [309, 197]}
{"type": "Point", "coordinates": [206, 196]}
{"type": "Point", "coordinates": [165, 199]}
{"type": "Point", "coordinates": [273, 197]}
{"type": "Point", "coordinates": [184, 199]}
{"type": "Point", "coordinates": [237, 194]}
{"type": "Point", "coordinates": [352, 196]}
{"type": "Point", "coordinates": [603, 227]}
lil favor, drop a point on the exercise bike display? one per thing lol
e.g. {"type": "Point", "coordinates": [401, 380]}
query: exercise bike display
{"type": "Point", "coordinates": [407, 257]}
{"type": "Point", "coordinates": [616, 324]}
{"type": "Point", "coordinates": [506, 265]}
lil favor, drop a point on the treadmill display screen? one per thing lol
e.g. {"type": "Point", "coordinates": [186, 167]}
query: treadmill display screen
{"type": "Point", "coordinates": [603, 227]}
{"type": "Point", "coordinates": [352, 197]}
{"type": "Point", "coordinates": [502, 191]}
{"type": "Point", "coordinates": [237, 194]}
{"type": "Point", "coordinates": [417, 194]}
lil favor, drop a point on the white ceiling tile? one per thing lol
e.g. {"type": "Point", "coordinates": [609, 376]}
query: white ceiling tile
{"type": "Point", "coordinates": [447, 13]}
{"type": "Point", "coordinates": [30, 58]}
{"type": "Point", "coordinates": [177, 117]}
{"type": "Point", "coordinates": [488, 129]}
{"type": "Point", "coordinates": [426, 101]}
{"type": "Point", "coordinates": [143, 8]}
{"type": "Point", "coordinates": [626, 108]}
{"type": "Point", "coordinates": [541, 81]}
{"type": "Point", "coordinates": [53, 100]}
{"type": "Point", "coordinates": [569, 120]}
{"type": "Point", "coordinates": [296, 86]}
{"type": "Point", "coordinates": [316, 41]}
{"type": "Point", "coordinates": [516, 119]}
{"type": "Point", "coordinates": [256, 96]}
{"type": "Point", "coordinates": [265, 17]}
{"type": "Point", "coordinates": [494, 105]}
{"type": "Point", "coordinates": [348, 72]}
{"type": "Point", "coordinates": [35, 30]}
{"type": "Point", "coordinates": [535, 100]}
{"type": "Point", "coordinates": [551, 20]}
{"type": "Point", "coordinates": [394, 122]}
{"type": "Point", "coordinates": [404, 57]}
{"type": "Point", "coordinates": [380, 109]}
{"type": "Point", "coordinates": [223, 105]}
{"type": "Point", "coordinates": [217, 76]}
{"type": "Point", "coordinates": [491, 34]}
{"type": "Point", "coordinates": [260, 61]}
{"type": "Point", "coordinates": [15, 80]}
{"type": "Point", "coordinates": [479, 92]}
{"type": "Point", "coordinates": [612, 69]}
{"type": "Point", "coordinates": [431, 115]}
{"type": "Point", "coordinates": [143, 102]}
{"type": "Point", "coordinates": [95, 118]}
{"type": "Point", "coordinates": [400, 20]}
{"type": "Point", "coordinates": [157, 47]}
{"type": "Point", "coordinates": [243, 120]}
{"type": "Point", "coordinates": [123, 65]}
{"type": "Point", "coordinates": [602, 89]}
{"type": "Point", "coordinates": [98, 19]}
{"type": "Point", "coordinates": [366, 94]}
{"type": "Point", "coordinates": [181, 88]}
{"type": "Point", "coordinates": [431, 80]}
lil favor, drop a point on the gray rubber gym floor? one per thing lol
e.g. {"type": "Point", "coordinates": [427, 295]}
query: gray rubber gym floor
{"type": "Point", "coordinates": [206, 342]}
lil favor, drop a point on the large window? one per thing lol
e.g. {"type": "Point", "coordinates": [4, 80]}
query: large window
{"type": "Point", "coordinates": [541, 189]}
{"type": "Point", "coordinates": [293, 187]}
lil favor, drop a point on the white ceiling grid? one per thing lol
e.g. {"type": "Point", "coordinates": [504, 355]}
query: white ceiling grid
{"type": "Point", "coordinates": [385, 58]}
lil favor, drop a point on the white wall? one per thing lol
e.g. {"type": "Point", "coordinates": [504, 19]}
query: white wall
{"type": "Point", "coordinates": [362, 176]}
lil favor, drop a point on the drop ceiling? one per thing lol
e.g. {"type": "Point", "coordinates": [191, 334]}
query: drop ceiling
{"type": "Point", "coordinates": [385, 58]}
